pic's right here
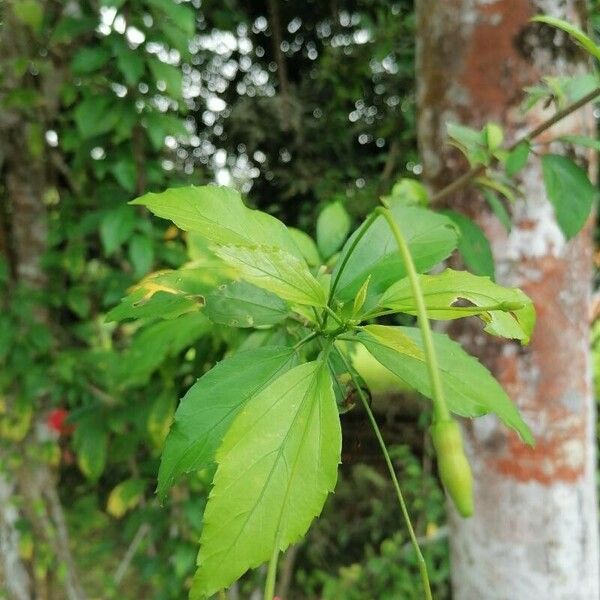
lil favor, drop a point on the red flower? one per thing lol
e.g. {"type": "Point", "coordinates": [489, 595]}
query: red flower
{"type": "Point", "coordinates": [56, 421]}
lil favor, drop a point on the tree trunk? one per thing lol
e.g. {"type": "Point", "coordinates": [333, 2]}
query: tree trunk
{"type": "Point", "coordinates": [27, 486]}
{"type": "Point", "coordinates": [534, 535]}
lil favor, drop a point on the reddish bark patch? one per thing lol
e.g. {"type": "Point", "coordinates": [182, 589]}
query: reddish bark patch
{"type": "Point", "coordinates": [495, 71]}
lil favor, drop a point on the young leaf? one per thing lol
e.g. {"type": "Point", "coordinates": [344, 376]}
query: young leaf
{"type": "Point", "coordinates": [573, 31]}
{"type": "Point", "coordinates": [211, 404]}
{"type": "Point", "coordinates": [241, 304]}
{"type": "Point", "coordinates": [276, 465]}
{"type": "Point", "coordinates": [333, 226]}
{"type": "Point", "coordinates": [473, 246]}
{"type": "Point", "coordinates": [275, 270]}
{"type": "Point", "coordinates": [470, 389]}
{"type": "Point", "coordinates": [219, 214]}
{"type": "Point", "coordinates": [513, 317]}
{"type": "Point", "coordinates": [431, 238]}
{"type": "Point", "coordinates": [570, 192]}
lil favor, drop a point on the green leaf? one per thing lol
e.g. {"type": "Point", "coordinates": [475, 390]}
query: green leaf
{"type": "Point", "coordinates": [241, 304]}
{"type": "Point", "coordinates": [513, 318]}
{"type": "Point", "coordinates": [153, 344]}
{"type": "Point", "coordinates": [494, 136]}
{"type": "Point", "coordinates": [181, 15]}
{"type": "Point", "coordinates": [124, 497]}
{"type": "Point", "coordinates": [29, 12]}
{"type": "Point", "coordinates": [170, 75]}
{"type": "Point", "coordinates": [219, 214]}
{"type": "Point", "coordinates": [96, 115]}
{"type": "Point", "coordinates": [141, 254]}
{"type": "Point", "coordinates": [473, 245]}
{"type": "Point", "coordinates": [131, 64]}
{"type": "Point", "coordinates": [307, 247]}
{"type": "Point", "coordinates": [408, 192]}
{"type": "Point", "coordinates": [116, 227]}
{"type": "Point", "coordinates": [573, 31]}
{"type": "Point", "coordinates": [275, 270]}
{"type": "Point", "coordinates": [431, 238]}
{"type": "Point", "coordinates": [581, 140]}
{"type": "Point", "coordinates": [169, 294]}
{"type": "Point", "coordinates": [90, 442]}
{"type": "Point", "coordinates": [570, 192]}
{"type": "Point", "coordinates": [277, 464]}
{"type": "Point", "coordinates": [88, 60]}
{"type": "Point", "coordinates": [209, 407]}
{"type": "Point", "coordinates": [498, 207]}
{"type": "Point", "coordinates": [469, 388]}
{"type": "Point", "coordinates": [333, 226]}
{"type": "Point", "coordinates": [517, 158]}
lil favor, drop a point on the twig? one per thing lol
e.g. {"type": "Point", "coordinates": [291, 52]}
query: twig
{"type": "Point", "coordinates": [465, 179]}
{"type": "Point", "coordinates": [143, 529]}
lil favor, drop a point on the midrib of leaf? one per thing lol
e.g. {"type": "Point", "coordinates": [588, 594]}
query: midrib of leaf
{"type": "Point", "coordinates": [276, 276]}
{"type": "Point", "coordinates": [250, 513]}
{"type": "Point", "coordinates": [254, 391]}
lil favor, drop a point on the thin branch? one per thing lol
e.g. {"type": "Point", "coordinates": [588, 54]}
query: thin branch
{"type": "Point", "coordinates": [465, 179]}
{"type": "Point", "coordinates": [143, 529]}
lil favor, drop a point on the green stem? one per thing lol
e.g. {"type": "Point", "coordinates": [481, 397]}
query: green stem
{"type": "Point", "coordinates": [272, 574]}
{"type": "Point", "coordinates": [390, 466]}
{"type": "Point", "coordinates": [361, 232]}
{"type": "Point", "coordinates": [440, 409]}
{"type": "Point", "coordinates": [330, 311]}
{"type": "Point", "coordinates": [304, 340]}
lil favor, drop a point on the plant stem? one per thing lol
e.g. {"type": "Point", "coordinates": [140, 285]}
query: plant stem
{"type": "Point", "coordinates": [361, 232]}
{"type": "Point", "coordinates": [465, 179]}
{"type": "Point", "coordinates": [409, 310]}
{"type": "Point", "coordinates": [390, 466]}
{"type": "Point", "coordinates": [440, 409]}
{"type": "Point", "coordinates": [272, 573]}
{"type": "Point", "coordinates": [304, 340]}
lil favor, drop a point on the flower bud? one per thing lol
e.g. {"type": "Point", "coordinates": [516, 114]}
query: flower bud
{"type": "Point", "coordinates": [453, 466]}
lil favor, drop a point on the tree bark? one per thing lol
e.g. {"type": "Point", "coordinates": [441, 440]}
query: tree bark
{"type": "Point", "coordinates": [534, 535]}
{"type": "Point", "coordinates": [28, 485]}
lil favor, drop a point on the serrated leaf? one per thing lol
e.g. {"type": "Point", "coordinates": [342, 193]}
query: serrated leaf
{"type": "Point", "coordinates": [169, 294]}
{"type": "Point", "coordinates": [241, 304]}
{"type": "Point", "coordinates": [513, 318]}
{"type": "Point", "coordinates": [431, 238]}
{"type": "Point", "coordinates": [333, 226]}
{"type": "Point", "coordinates": [277, 464]}
{"type": "Point", "coordinates": [275, 270]}
{"type": "Point", "coordinates": [207, 410]}
{"type": "Point", "coordinates": [570, 192]}
{"type": "Point", "coordinates": [473, 245]}
{"type": "Point", "coordinates": [469, 388]}
{"type": "Point", "coordinates": [219, 214]}
{"type": "Point", "coordinates": [517, 159]}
